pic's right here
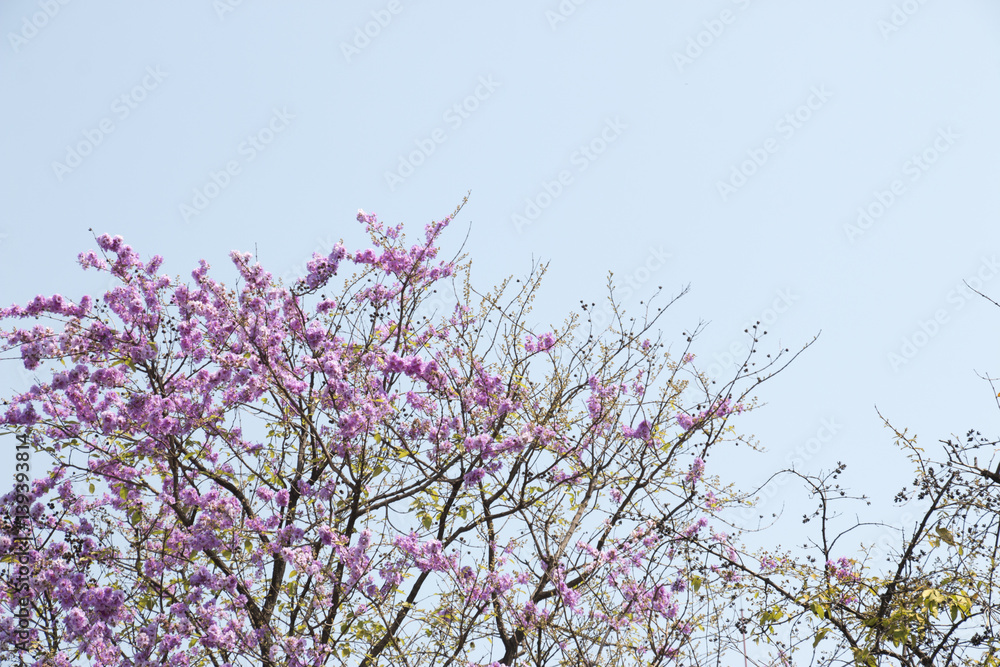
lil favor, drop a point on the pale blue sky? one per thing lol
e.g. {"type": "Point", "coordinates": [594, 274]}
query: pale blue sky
{"type": "Point", "coordinates": [619, 123]}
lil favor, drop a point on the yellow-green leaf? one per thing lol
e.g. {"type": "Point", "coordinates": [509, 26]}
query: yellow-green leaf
{"type": "Point", "coordinates": [945, 535]}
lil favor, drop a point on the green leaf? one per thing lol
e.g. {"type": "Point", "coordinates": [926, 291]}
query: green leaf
{"type": "Point", "coordinates": [695, 583]}
{"type": "Point", "coordinates": [819, 636]}
{"type": "Point", "coordinates": [945, 535]}
{"type": "Point", "coordinates": [93, 488]}
{"type": "Point", "coordinates": [427, 521]}
{"type": "Point", "coordinates": [773, 614]}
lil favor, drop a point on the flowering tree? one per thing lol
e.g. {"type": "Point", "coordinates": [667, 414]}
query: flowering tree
{"type": "Point", "coordinates": [912, 595]}
{"type": "Point", "coordinates": [312, 475]}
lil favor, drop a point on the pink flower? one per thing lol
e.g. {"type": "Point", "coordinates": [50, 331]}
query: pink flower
{"type": "Point", "coordinates": [540, 343]}
{"type": "Point", "coordinates": [697, 469]}
{"type": "Point", "coordinates": [473, 477]}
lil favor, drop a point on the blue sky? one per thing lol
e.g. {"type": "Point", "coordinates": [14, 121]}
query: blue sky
{"type": "Point", "coordinates": [817, 166]}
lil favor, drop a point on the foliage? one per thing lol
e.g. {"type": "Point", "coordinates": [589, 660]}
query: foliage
{"type": "Point", "coordinates": [268, 475]}
{"type": "Point", "coordinates": [918, 595]}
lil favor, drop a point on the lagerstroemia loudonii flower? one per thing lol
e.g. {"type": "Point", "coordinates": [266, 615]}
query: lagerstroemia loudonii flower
{"type": "Point", "coordinates": [303, 474]}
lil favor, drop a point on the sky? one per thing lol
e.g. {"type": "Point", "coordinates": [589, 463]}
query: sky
{"type": "Point", "coordinates": [824, 168]}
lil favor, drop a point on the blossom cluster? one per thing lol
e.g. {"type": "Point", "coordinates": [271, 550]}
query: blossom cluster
{"type": "Point", "coordinates": [842, 570]}
{"type": "Point", "coordinates": [261, 474]}
{"type": "Point", "coordinates": [720, 408]}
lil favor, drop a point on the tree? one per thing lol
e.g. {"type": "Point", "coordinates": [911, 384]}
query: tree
{"type": "Point", "coordinates": [268, 475]}
{"type": "Point", "coordinates": [920, 595]}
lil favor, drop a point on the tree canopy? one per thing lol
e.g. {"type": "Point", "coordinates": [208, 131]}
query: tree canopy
{"type": "Point", "coordinates": [356, 470]}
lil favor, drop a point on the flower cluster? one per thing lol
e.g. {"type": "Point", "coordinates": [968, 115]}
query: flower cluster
{"type": "Point", "coordinates": [842, 570]}
{"type": "Point", "coordinates": [541, 343]}
{"type": "Point", "coordinates": [718, 409]}
{"type": "Point", "coordinates": [264, 475]}
{"type": "Point", "coordinates": [696, 471]}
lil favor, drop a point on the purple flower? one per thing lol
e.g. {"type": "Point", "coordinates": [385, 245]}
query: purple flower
{"type": "Point", "coordinates": [541, 343]}
{"type": "Point", "coordinates": [697, 469]}
{"type": "Point", "coordinates": [641, 432]}
{"type": "Point", "coordinates": [693, 529]}
{"type": "Point", "coordinates": [473, 477]}
{"type": "Point", "coordinates": [843, 570]}
{"type": "Point", "coordinates": [76, 622]}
